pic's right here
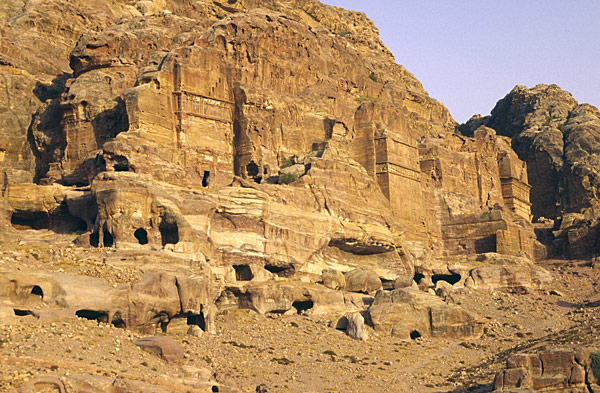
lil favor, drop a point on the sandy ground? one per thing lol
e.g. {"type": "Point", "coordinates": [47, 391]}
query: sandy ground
{"type": "Point", "coordinates": [298, 353]}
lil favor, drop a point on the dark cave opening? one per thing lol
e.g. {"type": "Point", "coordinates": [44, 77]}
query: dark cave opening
{"type": "Point", "coordinates": [415, 334]}
{"type": "Point", "coordinates": [197, 319]}
{"type": "Point", "coordinates": [107, 239]}
{"type": "Point", "coordinates": [100, 316]}
{"type": "Point", "coordinates": [117, 321]}
{"type": "Point", "coordinates": [30, 220]}
{"type": "Point", "coordinates": [252, 169]}
{"type": "Point", "coordinates": [303, 305]}
{"type": "Point", "coordinates": [141, 235]}
{"type": "Point", "coordinates": [418, 277]}
{"type": "Point", "coordinates": [95, 239]}
{"type": "Point", "coordinates": [206, 179]}
{"type": "Point", "coordinates": [243, 273]}
{"type": "Point", "coordinates": [281, 271]}
{"type": "Point", "coordinates": [37, 291]}
{"type": "Point", "coordinates": [21, 313]}
{"type": "Point", "coordinates": [452, 278]}
{"type": "Point", "coordinates": [169, 232]}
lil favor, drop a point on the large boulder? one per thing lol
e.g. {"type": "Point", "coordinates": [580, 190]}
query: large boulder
{"type": "Point", "coordinates": [557, 370]}
{"type": "Point", "coordinates": [362, 280]}
{"type": "Point", "coordinates": [162, 346]}
{"type": "Point", "coordinates": [410, 313]}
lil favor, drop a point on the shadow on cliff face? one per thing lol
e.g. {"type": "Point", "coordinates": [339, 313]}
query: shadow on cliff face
{"type": "Point", "coordinates": [110, 123]}
{"type": "Point", "coordinates": [48, 141]}
{"type": "Point", "coordinates": [44, 133]}
{"type": "Point", "coordinates": [106, 126]}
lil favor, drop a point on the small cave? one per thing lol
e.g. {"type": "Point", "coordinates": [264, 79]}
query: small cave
{"type": "Point", "coordinates": [22, 313]}
{"type": "Point", "coordinates": [169, 232]}
{"type": "Point", "coordinates": [415, 334]}
{"type": "Point", "coordinates": [37, 291]}
{"type": "Point", "coordinates": [107, 240]}
{"type": "Point", "coordinates": [449, 278]}
{"type": "Point", "coordinates": [100, 316]}
{"type": "Point", "coordinates": [243, 273]}
{"type": "Point", "coordinates": [281, 271]}
{"type": "Point", "coordinates": [117, 321]}
{"type": "Point", "coordinates": [418, 277]}
{"type": "Point", "coordinates": [206, 179]}
{"type": "Point", "coordinates": [141, 235]}
{"type": "Point", "coordinates": [304, 305]}
{"type": "Point", "coordinates": [253, 171]}
{"type": "Point", "coordinates": [197, 319]}
{"type": "Point", "coordinates": [30, 220]}
{"type": "Point", "coordinates": [95, 239]}
{"type": "Point", "coordinates": [62, 221]}
{"type": "Point", "coordinates": [121, 166]}
{"type": "Point", "coordinates": [162, 320]}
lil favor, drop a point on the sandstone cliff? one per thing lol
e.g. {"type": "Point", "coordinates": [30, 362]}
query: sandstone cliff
{"type": "Point", "coordinates": [557, 137]}
{"type": "Point", "coordinates": [231, 154]}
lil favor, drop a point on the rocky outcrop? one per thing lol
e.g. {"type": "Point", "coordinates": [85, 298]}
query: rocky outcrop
{"type": "Point", "coordinates": [557, 137]}
{"type": "Point", "coordinates": [164, 347]}
{"type": "Point", "coordinates": [409, 313]}
{"type": "Point", "coordinates": [257, 147]}
{"type": "Point", "coordinates": [558, 370]}
{"type": "Point", "coordinates": [485, 271]}
{"type": "Point", "coordinates": [151, 304]}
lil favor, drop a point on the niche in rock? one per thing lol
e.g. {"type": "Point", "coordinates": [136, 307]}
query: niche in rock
{"type": "Point", "coordinates": [95, 239]}
{"type": "Point", "coordinates": [117, 321]}
{"type": "Point", "coordinates": [206, 179]}
{"type": "Point", "coordinates": [415, 334]}
{"type": "Point", "coordinates": [121, 164]}
{"type": "Point", "coordinates": [100, 316]}
{"type": "Point", "coordinates": [281, 271]}
{"type": "Point", "coordinates": [62, 221]}
{"type": "Point", "coordinates": [141, 235]}
{"type": "Point", "coordinates": [253, 171]}
{"type": "Point", "coordinates": [243, 273]}
{"type": "Point", "coordinates": [22, 313]}
{"type": "Point", "coordinates": [197, 319]}
{"type": "Point", "coordinates": [304, 305]}
{"type": "Point", "coordinates": [37, 291]}
{"type": "Point", "coordinates": [29, 220]}
{"type": "Point", "coordinates": [108, 239]}
{"type": "Point", "coordinates": [169, 232]}
{"type": "Point", "coordinates": [418, 277]}
{"type": "Point", "coordinates": [449, 278]}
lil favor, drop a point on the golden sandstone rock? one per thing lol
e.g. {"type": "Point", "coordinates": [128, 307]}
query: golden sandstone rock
{"type": "Point", "coordinates": [256, 144]}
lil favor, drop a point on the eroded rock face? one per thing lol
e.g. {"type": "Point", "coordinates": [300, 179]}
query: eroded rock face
{"type": "Point", "coordinates": [409, 313]}
{"type": "Point", "coordinates": [557, 137]}
{"type": "Point", "coordinates": [151, 304]}
{"type": "Point", "coordinates": [261, 142]}
{"type": "Point", "coordinates": [566, 370]}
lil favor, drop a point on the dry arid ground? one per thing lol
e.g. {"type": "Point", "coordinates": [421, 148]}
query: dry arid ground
{"type": "Point", "coordinates": [293, 353]}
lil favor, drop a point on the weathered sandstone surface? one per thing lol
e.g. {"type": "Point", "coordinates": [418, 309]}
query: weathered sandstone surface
{"type": "Point", "coordinates": [558, 138]}
{"type": "Point", "coordinates": [256, 147]}
{"type": "Point", "coordinates": [202, 158]}
{"type": "Point", "coordinates": [559, 370]}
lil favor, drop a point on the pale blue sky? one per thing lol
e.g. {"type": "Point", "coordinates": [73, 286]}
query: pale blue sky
{"type": "Point", "coordinates": [470, 53]}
